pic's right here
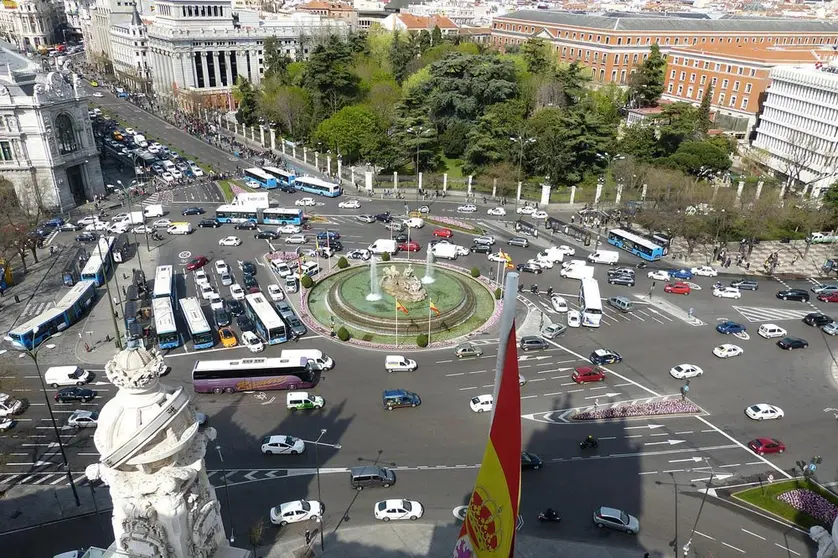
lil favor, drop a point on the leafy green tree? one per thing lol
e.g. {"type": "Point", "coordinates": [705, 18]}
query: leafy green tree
{"type": "Point", "coordinates": [830, 198]}
{"type": "Point", "coordinates": [401, 53]}
{"type": "Point", "coordinates": [703, 118]}
{"type": "Point", "coordinates": [676, 123]}
{"type": "Point", "coordinates": [646, 84]}
{"type": "Point", "coordinates": [607, 101]}
{"type": "Point", "coordinates": [536, 55]}
{"type": "Point", "coordinates": [288, 106]}
{"type": "Point", "coordinates": [574, 79]}
{"type": "Point", "coordinates": [329, 77]}
{"type": "Point", "coordinates": [699, 158]}
{"type": "Point", "coordinates": [276, 62]}
{"type": "Point", "coordinates": [488, 140]}
{"type": "Point", "coordinates": [436, 36]}
{"type": "Point", "coordinates": [245, 96]}
{"type": "Point", "coordinates": [416, 136]}
{"type": "Point", "coordinates": [424, 41]}
{"type": "Point", "coordinates": [383, 98]}
{"type": "Point", "coordinates": [353, 131]}
{"type": "Point", "coordinates": [453, 140]}
{"type": "Point", "coordinates": [641, 142]}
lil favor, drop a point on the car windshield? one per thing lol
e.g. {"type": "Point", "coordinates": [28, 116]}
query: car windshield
{"type": "Point", "coordinates": [407, 505]}
{"type": "Point", "coordinates": [382, 506]}
{"type": "Point", "coordinates": [755, 408]}
{"type": "Point", "coordinates": [289, 440]}
{"type": "Point", "coordinates": [624, 518]}
{"type": "Point", "coordinates": [475, 400]}
{"type": "Point", "coordinates": [305, 505]}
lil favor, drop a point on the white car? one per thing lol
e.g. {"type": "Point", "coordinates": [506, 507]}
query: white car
{"type": "Point", "coordinates": [485, 239]}
{"type": "Point", "coordinates": [221, 267]}
{"type": "Point", "coordinates": [305, 202]}
{"type": "Point", "coordinates": [526, 210]}
{"type": "Point", "coordinates": [559, 303]}
{"type": "Point", "coordinates": [298, 510]}
{"type": "Point", "coordinates": [98, 95]}
{"type": "Point", "coordinates": [542, 264]}
{"type": "Point", "coordinates": [495, 257]}
{"type": "Point", "coordinates": [349, 204]}
{"type": "Point", "coordinates": [118, 228]}
{"type": "Point", "coordinates": [236, 291]}
{"type": "Point", "coordinates": [468, 208]}
{"type": "Point", "coordinates": [462, 250]}
{"type": "Point", "coordinates": [230, 241]}
{"type": "Point", "coordinates": [130, 131]}
{"type": "Point", "coordinates": [83, 419]}
{"type": "Point", "coordinates": [659, 275]}
{"type": "Point", "coordinates": [216, 302]}
{"type": "Point", "coordinates": [499, 211]}
{"type": "Point", "coordinates": [764, 411]}
{"type": "Point", "coordinates": [361, 254]}
{"type": "Point", "coordinates": [196, 170]}
{"type": "Point", "coordinates": [394, 510]}
{"type": "Point", "coordinates": [142, 229]}
{"type": "Point", "coordinates": [176, 173]}
{"type": "Point", "coordinates": [6, 424]}
{"type": "Point", "coordinates": [684, 371]}
{"type": "Point", "coordinates": [566, 250]}
{"type": "Point", "coordinates": [252, 342]}
{"type": "Point", "coordinates": [281, 444]}
{"type": "Point", "coordinates": [168, 177]}
{"type": "Point", "coordinates": [574, 318]}
{"type": "Point", "coordinates": [97, 226]}
{"type": "Point", "coordinates": [296, 239]}
{"type": "Point", "coordinates": [89, 220]}
{"type": "Point", "coordinates": [704, 271]}
{"type": "Point", "coordinates": [727, 351]}
{"type": "Point", "coordinates": [162, 224]}
{"type": "Point", "coordinates": [482, 403]}
{"type": "Point", "coordinates": [727, 292]}
{"type": "Point", "coordinates": [275, 293]}
{"type": "Point", "coordinates": [540, 214]}
{"type": "Point", "coordinates": [289, 229]}
{"type": "Point", "coordinates": [206, 291]}
{"type": "Point", "coordinates": [201, 277]}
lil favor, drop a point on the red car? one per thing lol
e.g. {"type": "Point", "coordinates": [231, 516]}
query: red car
{"type": "Point", "coordinates": [677, 288]}
{"type": "Point", "coordinates": [197, 263]}
{"type": "Point", "coordinates": [411, 246]}
{"type": "Point", "coordinates": [588, 374]}
{"type": "Point", "coordinates": [443, 233]}
{"type": "Point", "coordinates": [761, 446]}
{"type": "Point", "coordinates": [832, 297]}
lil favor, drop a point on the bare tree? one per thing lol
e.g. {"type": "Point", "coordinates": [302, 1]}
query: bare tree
{"type": "Point", "coordinates": [256, 533]}
{"type": "Point", "coordinates": [798, 158]}
{"type": "Point", "coordinates": [630, 172]}
{"type": "Point", "coordinates": [19, 215]}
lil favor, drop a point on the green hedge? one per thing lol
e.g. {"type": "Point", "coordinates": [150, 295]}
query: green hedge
{"type": "Point", "coordinates": [342, 263]}
{"type": "Point", "coordinates": [475, 272]}
{"type": "Point", "coordinates": [306, 281]}
{"type": "Point", "coordinates": [422, 340]}
{"type": "Point", "coordinates": [343, 334]}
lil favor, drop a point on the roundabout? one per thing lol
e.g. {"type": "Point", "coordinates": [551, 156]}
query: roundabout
{"type": "Point", "coordinates": [386, 304]}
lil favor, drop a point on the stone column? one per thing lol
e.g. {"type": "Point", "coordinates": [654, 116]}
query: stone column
{"type": "Point", "coordinates": [715, 191]}
{"type": "Point", "coordinates": [229, 68]}
{"type": "Point", "coordinates": [445, 182]}
{"type": "Point", "coordinates": [368, 181]}
{"type": "Point", "coordinates": [317, 160]}
{"type": "Point", "coordinates": [352, 175]}
{"type": "Point", "coordinates": [619, 193]}
{"type": "Point", "coordinates": [396, 181]}
{"type": "Point", "coordinates": [545, 194]}
{"type": "Point", "coordinates": [419, 184]}
{"type": "Point", "coordinates": [759, 189]}
{"type": "Point", "coordinates": [643, 192]}
{"type": "Point", "coordinates": [739, 190]}
{"type": "Point", "coordinates": [518, 193]}
{"type": "Point", "coordinates": [495, 188]}
{"type": "Point", "coordinates": [305, 155]}
{"type": "Point", "coordinates": [598, 194]}
{"type": "Point", "coordinates": [261, 135]}
{"type": "Point", "coordinates": [273, 139]}
{"type": "Point", "coordinates": [340, 165]}
{"type": "Point", "coordinates": [205, 68]}
{"type": "Point", "coordinates": [236, 128]}
{"type": "Point", "coordinates": [328, 164]}
{"type": "Point", "coordinates": [468, 192]}
{"type": "Point", "coordinates": [293, 150]}
{"type": "Point", "coordinates": [572, 194]}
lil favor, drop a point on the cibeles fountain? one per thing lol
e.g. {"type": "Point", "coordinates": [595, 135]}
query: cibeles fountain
{"type": "Point", "coordinates": [153, 461]}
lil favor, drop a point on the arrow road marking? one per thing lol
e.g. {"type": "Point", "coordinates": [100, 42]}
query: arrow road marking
{"type": "Point", "coordinates": [649, 426]}
{"type": "Point", "coordinates": [714, 477]}
{"type": "Point", "coordinates": [527, 357]}
{"type": "Point", "coordinates": [670, 442]}
{"type": "Point", "coordinates": [603, 395]}
{"type": "Point", "coordinates": [251, 475]}
{"type": "Point", "coordinates": [693, 459]}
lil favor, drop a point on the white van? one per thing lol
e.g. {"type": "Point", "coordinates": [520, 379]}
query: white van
{"type": "Point", "coordinates": [281, 268]}
{"type": "Point", "coordinates": [140, 140]}
{"type": "Point", "coordinates": [308, 268]}
{"type": "Point", "coordinates": [447, 251]}
{"type": "Point", "coordinates": [180, 228]}
{"type": "Point", "coordinates": [609, 257]}
{"type": "Point", "coordinates": [398, 363]}
{"type": "Point", "coordinates": [415, 222]}
{"type": "Point", "coordinates": [552, 255]}
{"type": "Point", "coordinates": [168, 166]}
{"type": "Point", "coordinates": [577, 272]}
{"type": "Point", "coordinates": [301, 400]}
{"type": "Point", "coordinates": [320, 360]}
{"type": "Point", "coordinates": [153, 210]}
{"type": "Point", "coordinates": [383, 245]}
{"type": "Point", "coordinates": [58, 376]}
{"type": "Point", "coordinates": [770, 331]}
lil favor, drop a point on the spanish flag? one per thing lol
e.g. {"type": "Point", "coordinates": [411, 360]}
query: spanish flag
{"type": "Point", "coordinates": [433, 307]}
{"type": "Point", "coordinates": [400, 307]}
{"type": "Point", "coordinates": [488, 530]}
{"type": "Point", "coordinates": [510, 265]}
{"type": "Point", "coordinates": [317, 244]}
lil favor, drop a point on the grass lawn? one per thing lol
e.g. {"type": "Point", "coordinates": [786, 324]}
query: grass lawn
{"type": "Point", "coordinates": [454, 168]}
{"type": "Point", "coordinates": [226, 189]}
{"type": "Point", "coordinates": [768, 501]}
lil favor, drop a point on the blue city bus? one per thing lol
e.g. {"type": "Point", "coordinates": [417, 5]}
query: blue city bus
{"type": "Point", "coordinates": [197, 324]}
{"type": "Point", "coordinates": [256, 175]}
{"type": "Point", "coordinates": [316, 186]}
{"type": "Point", "coordinates": [635, 244]}
{"type": "Point", "coordinates": [164, 282]}
{"type": "Point", "coordinates": [164, 323]}
{"type": "Point", "coordinates": [283, 177]}
{"type": "Point", "coordinates": [237, 213]}
{"type": "Point", "coordinates": [67, 312]}
{"type": "Point", "coordinates": [282, 216]}
{"type": "Point", "coordinates": [99, 265]}
{"type": "Point", "coordinates": [71, 274]}
{"type": "Point", "coordinates": [268, 323]}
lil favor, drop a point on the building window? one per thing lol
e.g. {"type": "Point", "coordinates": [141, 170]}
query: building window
{"type": "Point", "coordinates": [736, 86]}
{"type": "Point", "coordinates": [721, 98]}
{"type": "Point", "coordinates": [753, 72]}
{"type": "Point", "coordinates": [747, 88]}
{"type": "Point", "coordinates": [703, 80]}
{"type": "Point", "coordinates": [66, 134]}
{"type": "Point", "coordinates": [724, 83]}
{"type": "Point", "coordinates": [700, 94]}
{"type": "Point", "coordinates": [669, 89]}
{"type": "Point", "coordinates": [744, 103]}
{"type": "Point", "coordinates": [672, 75]}
{"type": "Point", "coordinates": [718, 67]}
{"type": "Point", "coordinates": [733, 101]}
{"type": "Point", "coordinates": [683, 76]}
{"type": "Point", "coordinates": [692, 78]}
{"type": "Point", "coordinates": [680, 90]}
{"type": "Point", "coordinates": [6, 151]}
{"type": "Point", "coordinates": [689, 92]}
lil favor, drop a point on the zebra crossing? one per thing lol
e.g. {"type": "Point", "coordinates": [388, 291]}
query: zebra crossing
{"type": "Point", "coordinates": [762, 314]}
{"type": "Point", "coordinates": [34, 308]}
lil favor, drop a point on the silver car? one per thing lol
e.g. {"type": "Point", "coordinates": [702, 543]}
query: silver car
{"type": "Point", "coordinates": [831, 328]}
{"type": "Point", "coordinates": [553, 330]}
{"type": "Point", "coordinates": [467, 350]}
{"type": "Point", "coordinates": [616, 519]}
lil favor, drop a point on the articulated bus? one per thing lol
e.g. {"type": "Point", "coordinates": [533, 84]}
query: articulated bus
{"type": "Point", "coordinates": [260, 177]}
{"type": "Point", "coordinates": [164, 323]}
{"type": "Point", "coordinates": [268, 323]}
{"type": "Point", "coordinates": [282, 216]}
{"type": "Point", "coordinates": [71, 274]}
{"type": "Point", "coordinates": [121, 248]}
{"type": "Point", "coordinates": [316, 186]}
{"type": "Point", "coordinates": [67, 312]}
{"type": "Point", "coordinates": [248, 374]}
{"type": "Point", "coordinates": [99, 265]}
{"type": "Point", "coordinates": [164, 286]}
{"type": "Point", "coordinates": [197, 324]}
{"type": "Point", "coordinates": [283, 177]}
{"type": "Point", "coordinates": [269, 216]}
{"type": "Point", "coordinates": [590, 303]}
{"type": "Point", "coordinates": [635, 244]}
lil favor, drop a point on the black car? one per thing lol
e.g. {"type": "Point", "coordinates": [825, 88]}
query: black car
{"type": "Point", "coordinates": [745, 284]}
{"type": "Point", "coordinates": [481, 248]}
{"type": "Point", "coordinates": [244, 323]}
{"type": "Point", "coordinates": [336, 245]}
{"type": "Point", "coordinates": [799, 295]}
{"type": "Point", "coordinates": [193, 211]}
{"type": "Point", "coordinates": [248, 268]}
{"type": "Point", "coordinates": [86, 237]}
{"type": "Point", "coordinates": [529, 268]}
{"type": "Point", "coordinates": [266, 235]}
{"type": "Point", "coordinates": [400, 237]}
{"type": "Point", "coordinates": [530, 342]}
{"type": "Point", "coordinates": [518, 241]}
{"type": "Point", "coordinates": [209, 223]}
{"type": "Point", "coordinates": [250, 282]}
{"type": "Point", "coordinates": [605, 356]}
{"type": "Point", "coordinates": [789, 343]}
{"type": "Point", "coordinates": [71, 394]}
{"type": "Point", "coordinates": [816, 319]}
{"type": "Point", "coordinates": [625, 280]}
{"type": "Point", "coordinates": [69, 227]}
{"type": "Point", "coordinates": [246, 226]}
{"type": "Point", "coordinates": [383, 217]}
{"type": "Point", "coordinates": [530, 461]}
{"type": "Point", "coordinates": [221, 317]}
{"type": "Point", "coordinates": [235, 307]}
{"type": "Point", "coordinates": [287, 189]}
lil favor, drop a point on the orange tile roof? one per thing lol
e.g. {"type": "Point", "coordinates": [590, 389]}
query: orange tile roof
{"type": "Point", "coordinates": [762, 52]}
{"type": "Point", "coordinates": [318, 5]}
{"type": "Point", "coordinates": [424, 22]}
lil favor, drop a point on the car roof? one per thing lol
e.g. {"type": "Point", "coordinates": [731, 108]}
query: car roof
{"type": "Point", "coordinates": [613, 512]}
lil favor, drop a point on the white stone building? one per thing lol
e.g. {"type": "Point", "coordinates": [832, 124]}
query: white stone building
{"type": "Point", "coordinates": [75, 11]}
{"type": "Point", "coordinates": [129, 51]}
{"type": "Point", "coordinates": [798, 127]}
{"type": "Point", "coordinates": [97, 29]}
{"type": "Point", "coordinates": [198, 48]}
{"type": "Point", "coordinates": [47, 148]}
{"type": "Point", "coordinates": [29, 23]}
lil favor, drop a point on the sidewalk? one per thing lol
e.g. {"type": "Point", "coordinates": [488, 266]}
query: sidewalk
{"type": "Point", "coordinates": [407, 540]}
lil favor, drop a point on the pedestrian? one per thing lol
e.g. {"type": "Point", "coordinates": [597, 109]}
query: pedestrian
{"type": "Point", "coordinates": [690, 312]}
{"type": "Point", "coordinates": [572, 219]}
{"type": "Point", "coordinates": [308, 537]}
{"type": "Point", "coordinates": [2, 291]}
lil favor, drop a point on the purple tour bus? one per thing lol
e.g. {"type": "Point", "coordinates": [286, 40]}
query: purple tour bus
{"type": "Point", "coordinates": [250, 374]}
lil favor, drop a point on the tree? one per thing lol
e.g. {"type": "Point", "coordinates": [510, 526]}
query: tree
{"type": "Point", "coordinates": [646, 85]}
{"type": "Point", "coordinates": [640, 141]}
{"type": "Point", "coordinates": [414, 137]}
{"type": "Point", "coordinates": [436, 36]}
{"type": "Point", "coordinates": [256, 533]}
{"type": "Point", "coordinates": [801, 151]}
{"type": "Point", "coordinates": [353, 131]}
{"type": "Point", "coordinates": [400, 55]}
{"type": "Point", "coordinates": [536, 54]}
{"type": "Point", "coordinates": [245, 97]}
{"type": "Point", "coordinates": [276, 61]}
{"type": "Point", "coordinates": [703, 119]}
{"type": "Point", "coordinates": [19, 215]}
{"type": "Point", "coordinates": [488, 141]}
{"type": "Point", "coordinates": [288, 106]}
{"type": "Point", "coordinates": [699, 158]}
{"type": "Point", "coordinates": [454, 140]}
{"type": "Point", "coordinates": [382, 99]}
{"type": "Point", "coordinates": [329, 77]}
{"type": "Point", "coordinates": [676, 123]}
{"type": "Point", "coordinates": [574, 80]}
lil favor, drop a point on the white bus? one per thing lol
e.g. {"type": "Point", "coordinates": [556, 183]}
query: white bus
{"type": "Point", "coordinates": [164, 323]}
{"type": "Point", "coordinates": [196, 321]}
{"type": "Point", "coordinates": [268, 323]}
{"type": "Point", "coordinates": [283, 177]}
{"type": "Point", "coordinates": [590, 303]}
{"type": "Point", "coordinates": [259, 178]}
{"type": "Point", "coordinates": [316, 186]}
{"type": "Point", "coordinates": [164, 282]}
{"type": "Point", "coordinates": [237, 213]}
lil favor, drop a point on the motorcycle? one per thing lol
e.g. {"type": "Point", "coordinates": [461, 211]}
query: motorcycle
{"type": "Point", "coordinates": [717, 285]}
{"type": "Point", "coordinates": [549, 291]}
{"type": "Point", "coordinates": [641, 265]}
{"type": "Point", "coordinates": [534, 289]}
{"type": "Point", "coordinates": [589, 443]}
{"type": "Point", "coordinates": [549, 516]}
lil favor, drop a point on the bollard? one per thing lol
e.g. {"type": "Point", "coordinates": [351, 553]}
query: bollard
{"type": "Point", "coordinates": [17, 299]}
{"type": "Point", "coordinates": [87, 347]}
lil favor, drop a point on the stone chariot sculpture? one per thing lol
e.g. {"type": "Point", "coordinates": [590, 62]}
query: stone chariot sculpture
{"type": "Point", "coordinates": [403, 286]}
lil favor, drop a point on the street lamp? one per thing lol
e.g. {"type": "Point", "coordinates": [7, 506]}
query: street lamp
{"type": "Point", "coordinates": [126, 193]}
{"type": "Point", "coordinates": [522, 143]}
{"type": "Point", "coordinates": [419, 131]}
{"type": "Point", "coordinates": [227, 495]}
{"type": "Point", "coordinates": [319, 497]}
{"type": "Point", "coordinates": [33, 354]}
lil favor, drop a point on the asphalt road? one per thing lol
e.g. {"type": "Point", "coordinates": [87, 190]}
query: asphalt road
{"type": "Point", "coordinates": [652, 468]}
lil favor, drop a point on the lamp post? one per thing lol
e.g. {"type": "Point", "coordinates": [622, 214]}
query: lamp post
{"type": "Point", "coordinates": [227, 495]}
{"type": "Point", "coordinates": [522, 143]}
{"type": "Point", "coordinates": [418, 131]}
{"type": "Point", "coordinates": [110, 298]}
{"type": "Point", "coordinates": [319, 497]}
{"type": "Point", "coordinates": [33, 354]}
{"type": "Point", "coordinates": [131, 210]}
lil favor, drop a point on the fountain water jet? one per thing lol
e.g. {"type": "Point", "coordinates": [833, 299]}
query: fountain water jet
{"type": "Point", "coordinates": [375, 287]}
{"type": "Point", "coordinates": [429, 269]}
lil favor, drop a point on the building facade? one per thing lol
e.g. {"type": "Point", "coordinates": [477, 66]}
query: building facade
{"type": "Point", "coordinates": [129, 51]}
{"type": "Point", "coordinates": [798, 128]}
{"type": "Point", "coordinates": [97, 29]}
{"type": "Point", "coordinates": [407, 22]}
{"type": "Point", "coordinates": [47, 147]}
{"type": "Point", "coordinates": [29, 24]}
{"type": "Point", "coordinates": [332, 10]}
{"type": "Point", "coordinates": [613, 45]}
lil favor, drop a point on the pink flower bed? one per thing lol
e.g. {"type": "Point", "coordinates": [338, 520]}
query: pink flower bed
{"type": "Point", "coordinates": [666, 407]}
{"type": "Point", "coordinates": [810, 503]}
{"type": "Point", "coordinates": [236, 189]}
{"type": "Point", "coordinates": [453, 222]}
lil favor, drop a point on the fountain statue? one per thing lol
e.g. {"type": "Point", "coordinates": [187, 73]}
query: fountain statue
{"type": "Point", "coordinates": [403, 286]}
{"type": "Point", "coordinates": [375, 288]}
{"type": "Point", "coordinates": [429, 268]}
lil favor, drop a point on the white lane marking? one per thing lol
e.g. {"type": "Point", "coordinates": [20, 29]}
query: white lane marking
{"type": "Point", "coordinates": [685, 432]}
{"type": "Point", "coordinates": [648, 473]}
{"type": "Point", "coordinates": [786, 548]}
{"type": "Point", "coordinates": [467, 388]}
{"type": "Point", "coordinates": [733, 547]}
{"type": "Point", "coordinates": [457, 374]}
{"type": "Point", "coordinates": [731, 465]}
{"type": "Point", "coordinates": [554, 393]}
{"type": "Point", "coordinates": [703, 535]}
{"type": "Point", "coordinates": [528, 396]}
{"type": "Point", "coordinates": [752, 534]}
{"type": "Point", "coordinates": [673, 471]}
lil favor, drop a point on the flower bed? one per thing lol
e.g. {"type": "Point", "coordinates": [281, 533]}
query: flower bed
{"type": "Point", "coordinates": [452, 223]}
{"type": "Point", "coordinates": [665, 407]}
{"type": "Point", "coordinates": [811, 503]}
{"type": "Point", "coordinates": [798, 501]}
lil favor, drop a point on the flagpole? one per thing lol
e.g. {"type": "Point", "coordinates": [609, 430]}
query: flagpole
{"type": "Point", "coordinates": [507, 323]}
{"type": "Point", "coordinates": [429, 323]}
{"type": "Point", "coordinates": [397, 323]}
